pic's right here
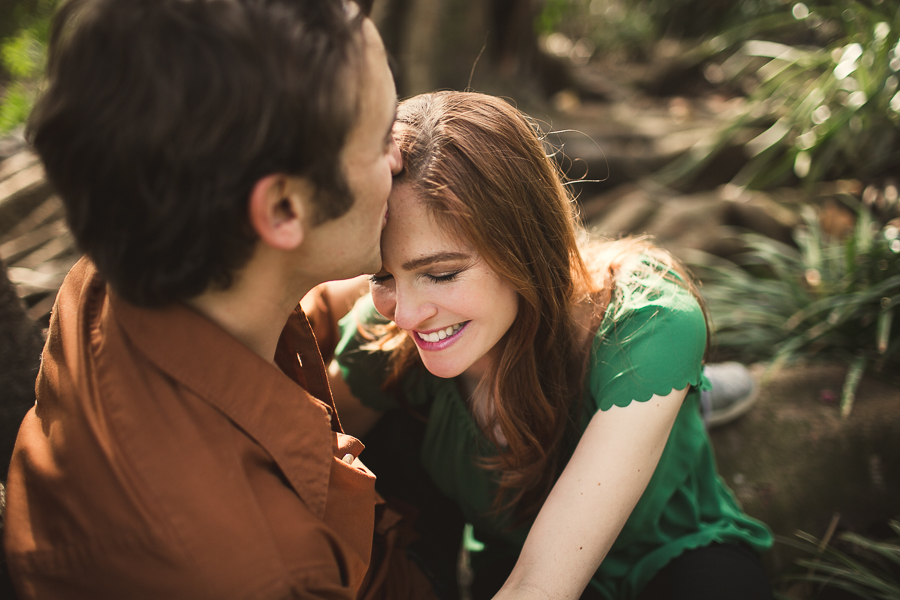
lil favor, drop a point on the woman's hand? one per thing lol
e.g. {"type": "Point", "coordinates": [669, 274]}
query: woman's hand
{"type": "Point", "coordinates": [592, 499]}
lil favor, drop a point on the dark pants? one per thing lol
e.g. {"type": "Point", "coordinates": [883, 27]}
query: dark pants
{"type": "Point", "coordinates": [716, 572]}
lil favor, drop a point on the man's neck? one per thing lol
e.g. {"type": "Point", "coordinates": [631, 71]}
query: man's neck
{"type": "Point", "coordinates": [254, 308]}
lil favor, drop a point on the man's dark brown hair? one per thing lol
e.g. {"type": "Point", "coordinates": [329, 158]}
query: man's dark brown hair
{"type": "Point", "coordinates": [159, 116]}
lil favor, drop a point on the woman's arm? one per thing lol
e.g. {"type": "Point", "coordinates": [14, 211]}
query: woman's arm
{"type": "Point", "coordinates": [592, 499]}
{"type": "Point", "coordinates": [357, 419]}
{"type": "Point", "coordinates": [326, 304]}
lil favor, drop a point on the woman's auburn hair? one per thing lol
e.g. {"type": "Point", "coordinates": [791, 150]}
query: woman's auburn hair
{"type": "Point", "coordinates": [481, 169]}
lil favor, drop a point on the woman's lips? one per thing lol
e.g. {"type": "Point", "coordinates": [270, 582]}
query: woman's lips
{"type": "Point", "coordinates": [440, 344]}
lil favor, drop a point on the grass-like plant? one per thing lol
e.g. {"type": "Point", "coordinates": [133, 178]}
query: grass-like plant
{"type": "Point", "coordinates": [815, 110]}
{"type": "Point", "coordinates": [868, 569]}
{"type": "Point", "coordinates": [826, 298]}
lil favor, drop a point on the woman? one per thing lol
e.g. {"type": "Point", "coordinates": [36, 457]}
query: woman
{"type": "Point", "coordinates": [558, 378]}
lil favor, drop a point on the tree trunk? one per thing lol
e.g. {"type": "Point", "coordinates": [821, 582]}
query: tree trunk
{"type": "Point", "coordinates": [465, 44]}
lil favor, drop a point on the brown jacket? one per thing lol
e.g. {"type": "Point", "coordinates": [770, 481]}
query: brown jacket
{"type": "Point", "coordinates": [164, 459]}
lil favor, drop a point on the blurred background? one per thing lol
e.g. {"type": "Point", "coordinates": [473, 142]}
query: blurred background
{"type": "Point", "coordinates": [755, 139]}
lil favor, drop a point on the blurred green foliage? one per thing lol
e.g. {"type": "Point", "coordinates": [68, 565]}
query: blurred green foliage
{"type": "Point", "coordinates": [820, 78]}
{"type": "Point", "coordinates": [826, 298]}
{"type": "Point", "coordinates": [22, 58]}
{"type": "Point", "coordinates": [635, 26]}
{"type": "Point", "coordinates": [813, 112]}
{"type": "Point", "coordinates": [604, 24]}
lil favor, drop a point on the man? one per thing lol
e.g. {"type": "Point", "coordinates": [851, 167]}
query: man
{"type": "Point", "coordinates": [217, 159]}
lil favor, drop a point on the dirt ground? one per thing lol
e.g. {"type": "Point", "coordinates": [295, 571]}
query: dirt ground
{"type": "Point", "coordinates": [794, 463]}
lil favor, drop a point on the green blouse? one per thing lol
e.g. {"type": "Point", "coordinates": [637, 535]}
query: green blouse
{"type": "Point", "coordinates": [650, 342]}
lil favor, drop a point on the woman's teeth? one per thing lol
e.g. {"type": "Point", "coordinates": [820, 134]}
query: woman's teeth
{"type": "Point", "coordinates": [436, 336]}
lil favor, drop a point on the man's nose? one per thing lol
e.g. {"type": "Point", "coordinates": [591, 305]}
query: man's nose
{"type": "Point", "coordinates": [396, 160]}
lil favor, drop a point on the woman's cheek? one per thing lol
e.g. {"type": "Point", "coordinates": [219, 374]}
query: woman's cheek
{"type": "Point", "coordinates": [384, 301]}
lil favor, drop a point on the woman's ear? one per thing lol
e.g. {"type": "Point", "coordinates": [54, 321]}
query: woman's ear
{"type": "Point", "coordinates": [278, 210]}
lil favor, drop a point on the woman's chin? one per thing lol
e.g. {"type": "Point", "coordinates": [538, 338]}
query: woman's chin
{"type": "Point", "coordinates": [442, 370]}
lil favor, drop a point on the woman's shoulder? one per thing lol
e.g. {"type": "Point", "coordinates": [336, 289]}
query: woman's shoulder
{"type": "Point", "coordinates": [639, 278]}
{"type": "Point", "coordinates": [652, 336]}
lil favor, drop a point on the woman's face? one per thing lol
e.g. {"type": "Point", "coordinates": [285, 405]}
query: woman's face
{"type": "Point", "coordinates": [437, 289]}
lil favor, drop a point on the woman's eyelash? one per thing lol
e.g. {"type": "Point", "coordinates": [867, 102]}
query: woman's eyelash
{"type": "Point", "coordinates": [446, 278]}
{"type": "Point", "coordinates": [443, 278]}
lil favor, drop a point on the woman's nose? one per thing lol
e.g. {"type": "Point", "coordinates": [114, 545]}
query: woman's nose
{"type": "Point", "coordinates": [411, 311]}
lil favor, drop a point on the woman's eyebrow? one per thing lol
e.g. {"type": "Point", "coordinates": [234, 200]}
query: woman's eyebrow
{"type": "Point", "coordinates": [418, 263]}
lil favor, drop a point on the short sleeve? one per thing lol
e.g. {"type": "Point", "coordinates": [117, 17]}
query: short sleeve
{"type": "Point", "coordinates": [364, 370]}
{"type": "Point", "coordinates": [653, 347]}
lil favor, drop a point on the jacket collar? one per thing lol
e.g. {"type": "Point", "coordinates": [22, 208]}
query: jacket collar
{"type": "Point", "coordinates": [270, 406]}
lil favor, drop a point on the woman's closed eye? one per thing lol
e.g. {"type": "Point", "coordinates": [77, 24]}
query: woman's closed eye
{"type": "Point", "coordinates": [384, 277]}
{"type": "Point", "coordinates": [443, 278]}
{"type": "Point", "coordinates": [380, 278]}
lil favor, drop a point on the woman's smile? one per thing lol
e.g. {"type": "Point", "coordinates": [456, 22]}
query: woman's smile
{"type": "Point", "coordinates": [438, 339]}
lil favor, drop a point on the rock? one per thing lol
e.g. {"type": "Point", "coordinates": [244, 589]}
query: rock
{"type": "Point", "coordinates": [20, 352]}
{"type": "Point", "coordinates": [687, 221]}
{"type": "Point", "coordinates": [617, 214]}
{"type": "Point", "coordinates": [12, 143]}
{"type": "Point", "coordinates": [771, 215]}
{"type": "Point", "coordinates": [35, 244]}
{"type": "Point", "coordinates": [23, 186]}
{"type": "Point", "coordinates": [609, 144]}
{"type": "Point", "coordinates": [693, 226]}
{"type": "Point", "coordinates": [794, 463]}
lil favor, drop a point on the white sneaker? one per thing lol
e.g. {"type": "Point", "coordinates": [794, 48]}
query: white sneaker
{"type": "Point", "coordinates": [733, 393]}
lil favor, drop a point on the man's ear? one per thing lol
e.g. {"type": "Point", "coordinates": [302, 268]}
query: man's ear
{"type": "Point", "coordinates": [279, 206]}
